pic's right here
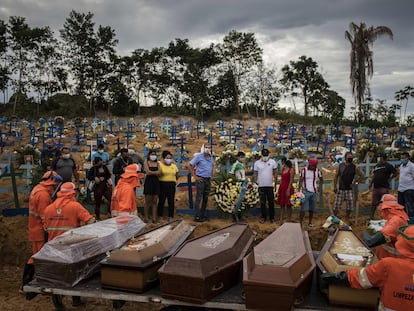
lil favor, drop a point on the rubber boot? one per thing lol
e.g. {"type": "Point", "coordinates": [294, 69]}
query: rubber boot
{"type": "Point", "coordinates": [28, 274]}
{"type": "Point", "coordinates": [77, 301]}
{"type": "Point", "coordinates": [58, 302]}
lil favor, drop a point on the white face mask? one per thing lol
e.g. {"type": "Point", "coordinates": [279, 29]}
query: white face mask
{"type": "Point", "coordinates": [66, 155]}
{"type": "Point", "coordinates": [168, 161]}
{"type": "Point", "coordinates": [100, 151]}
{"type": "Point", "coordinates": [131, 151]}
{"type": "Point", "coordinates": [265, 158]}
{"type": "Point", "coordinates": [207, 150]}
{"type": "Point", "coordinates": [378, 159]}
{"type": "Point", "coordinates": [153, 157]}
{"type": "Point", "coordinates": [242, 160]}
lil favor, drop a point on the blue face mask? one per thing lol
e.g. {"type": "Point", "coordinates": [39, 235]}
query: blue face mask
{"type": "Point", "coordinates": [404, 161]}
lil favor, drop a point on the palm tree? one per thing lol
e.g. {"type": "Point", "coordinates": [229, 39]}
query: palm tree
{"type": "Point", "coordinates": [361, 64]}
{"type": "Point", "coordinates": [403, 95]}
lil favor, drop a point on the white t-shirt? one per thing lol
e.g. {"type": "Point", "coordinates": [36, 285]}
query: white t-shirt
{"type": "Point", "coordinates": [265, 172]}
{"type": "Point", "coordinates": [406, 180]}
{"type": "Point", "coordinates": [310, 179]}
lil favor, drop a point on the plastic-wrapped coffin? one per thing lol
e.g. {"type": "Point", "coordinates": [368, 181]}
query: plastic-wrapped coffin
{"type": "Point", "coordinates": [76, 254]}
{"type": "Point", "coordinates": [278, 272]}
{"type": "Point", "coordinates": [134, 267]}
{"type": "Point", "coordinates": [206, 266]}
{"type": "Point", "coordinates": [343, 251]}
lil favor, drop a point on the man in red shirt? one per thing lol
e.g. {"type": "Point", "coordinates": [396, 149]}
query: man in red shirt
{"type": "Point", "coordinates": [62, 215]}
{"type": "Point", "coordinates": [393, 275]}
{"type": "Point", "coordinates": [40, 197]}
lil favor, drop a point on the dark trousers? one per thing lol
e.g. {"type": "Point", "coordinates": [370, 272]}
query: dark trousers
{"type": "Point", "coordinates": [406, 198]}
{"type": "Point", "coordinates": [101, 190]}
{"type": "Point", "coordinates": [203, 190]}
{"type": "Point", "coordinates": [167, 191]}
{"type": "Point", "coordinates": [267, 194]}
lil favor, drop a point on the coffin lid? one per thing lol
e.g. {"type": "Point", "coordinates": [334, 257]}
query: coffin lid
{"type": "Point", "coordinates": [212, 252]}
{"type": "Point", "coordinates": [151, 246]}
{"type": "Point", "coordinates": [342, 251]}
{"type": "Point", "coordinates": [284, 257]}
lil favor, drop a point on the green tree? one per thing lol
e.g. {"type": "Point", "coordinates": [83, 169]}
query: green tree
{"type": "Point", "coordinates": [332, 106]}
{"type": "Point", "coordinates": [403, 96]}
{"type": "Point", "coordinates": [4, 71]}
{"type": "Point", "coordinates": [361, 39]}
{"type": "Point", "coordinates": [302, 79]}
{"type": "Point", "coordinates": [24, 41]}
{"type": "Point", "coordinates": [240, 52]}
{"type": "Point", "coordinates": [88, 54]}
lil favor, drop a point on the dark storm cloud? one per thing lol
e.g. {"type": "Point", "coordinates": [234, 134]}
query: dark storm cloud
{"type": "Point", "coordinates": [285, 29]}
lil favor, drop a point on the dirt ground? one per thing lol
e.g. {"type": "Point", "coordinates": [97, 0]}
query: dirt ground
{"type": "Point", "coordinates": [15, 248]}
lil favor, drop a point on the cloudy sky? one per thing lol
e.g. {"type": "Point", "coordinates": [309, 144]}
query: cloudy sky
{"type": "Point", "coordinates": [285, 29]}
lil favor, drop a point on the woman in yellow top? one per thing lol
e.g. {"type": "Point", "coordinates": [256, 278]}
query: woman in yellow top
{"type": "Point", "coordinates": [168, 180]}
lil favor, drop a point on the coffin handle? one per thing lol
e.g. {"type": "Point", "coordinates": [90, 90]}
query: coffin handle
{"type": "Point", "coordinates": [151, 280]}
{"type": "Point", "coordinates": [216, 288]}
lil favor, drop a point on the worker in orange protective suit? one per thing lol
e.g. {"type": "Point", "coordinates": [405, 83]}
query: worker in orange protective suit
{"type": "Point", "coordinates": [393, 275]}
{"type": "Point", "coordinates": [64, 214]}
{"type": "Point", "coordinates": [40, 197]}
{"type": "Point", "coordinates": [396, 217]}
{"type": "Point", "coordinates": [123, 199]}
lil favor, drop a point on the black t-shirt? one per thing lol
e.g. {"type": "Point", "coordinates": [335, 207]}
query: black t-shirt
{"type": "Point", "coordinates": [346, 175]}
{"type": "Point", "coordinates": [382, 174]}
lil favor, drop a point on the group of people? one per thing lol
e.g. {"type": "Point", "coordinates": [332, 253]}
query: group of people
{"type": "Point", "coordinates": [159, 177]}
{"type": "Point", "coordinates": [265, 173]}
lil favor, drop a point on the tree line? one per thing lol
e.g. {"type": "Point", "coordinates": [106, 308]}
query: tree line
{"type": "Point", "coordinates": [81, 67]}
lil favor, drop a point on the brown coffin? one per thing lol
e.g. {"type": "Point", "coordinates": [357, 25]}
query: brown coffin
{"type": "Point", "coordinates": [134, 267]}
{"type": "Point", "coordinates": [278, 272]}
{"type": "Point", "coordinates": [343, 251]}
{"type": "Point", "coordinates": [206, 266]}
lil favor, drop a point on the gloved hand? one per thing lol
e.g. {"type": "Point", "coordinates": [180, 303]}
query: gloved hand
{"type": "Point", "coordinates": [339, 278]}
{"type": "Point", "coordinates": [374, 240]}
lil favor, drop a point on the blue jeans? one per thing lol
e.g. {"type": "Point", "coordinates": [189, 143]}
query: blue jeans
{"type": "Point", "coordinates": [203, 190]}
{"type": "Point", "coordinates": [310, 201]}
{"type": "Point", "coordinates": [406, 198]}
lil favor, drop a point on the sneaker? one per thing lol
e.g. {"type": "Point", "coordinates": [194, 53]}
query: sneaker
{"type": "Point", "coordinates": [310, 225]}
{"type": "Point", "coordinates": [198, 219]}
{"type": "Point", "coordinates": [262, 220]}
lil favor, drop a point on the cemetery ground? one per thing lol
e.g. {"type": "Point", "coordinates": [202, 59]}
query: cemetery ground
{"type": "Point", "coordinates": [15, 248]}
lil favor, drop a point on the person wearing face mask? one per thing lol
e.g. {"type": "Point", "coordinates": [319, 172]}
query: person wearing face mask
{"type": "Point", "coordinates": [202, 166]}
{"type": "Point", "coordinates": [119, 164]}
{"type": "Point", "coordinates": [345, 174]}
{"type": "Point", "coordinates": [151, 185]}
{"type": "Point", "coordinates": [168, 180]}
{"type": "Point", "coordinates": [265, 174]}
{"type": "Point", "coordinates": [136, 158]}
{"type": "Point", "coordinates": [406, 185]}
{"type": "Point", "coordinates": [65, 166]}
{"type": "Point", "coordinates": [101, 153]}
{"type": "Point", "coordinates": [310, 178]}
{"type": "Point", "coordinates": [380, 182]}
{"type": "Point", "coordinates": [237, 169]}
{"type": "Point", "coordinates": [48, 154]}
{"type": "Point", "coordinates": [100, 174]}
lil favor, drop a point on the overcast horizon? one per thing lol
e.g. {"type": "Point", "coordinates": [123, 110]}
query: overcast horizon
{"type": "Point", "coordinates": [285, 30]}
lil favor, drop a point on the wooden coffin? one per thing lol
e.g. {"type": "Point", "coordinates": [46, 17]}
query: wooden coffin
{"type": "Point", "coordinates": [76, 254]}
{"type": "Point", "coordinates": [278, 272]}
{"type": "Point", "coordinates": [206, 266]}
{"type": "Point", "coordinates": [343, 251]}
{"type": "Point", "coordinates": [134, 267]}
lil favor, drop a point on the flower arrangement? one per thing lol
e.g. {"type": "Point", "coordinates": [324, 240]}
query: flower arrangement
{"type": "Point", "coordinates": [368, 149]}
{"type": "Point", "coordinates": [297, 198]}
{"type": "Point", "coordinates": [227, 155]}
{"type": "Point", "coordinates": [251, 142]}
{"type": "Point", "coordinates": [226, 195]}
{"type": "Point", "coordinates": [85, 157]}
{"type": "Point", "coordinates": [253, 156]}
{"type": "Point", "coordinates": [297, 153]}
{"type": "Point", "coordinates": [153, 145]}
{"type": "Point", "coordinates": [315, 149]}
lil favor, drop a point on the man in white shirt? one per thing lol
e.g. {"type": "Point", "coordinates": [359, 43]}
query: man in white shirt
{"type": "Point", "coordinates": [265, 172]}
{"type": "Point", "coordinates": [406, 185]}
